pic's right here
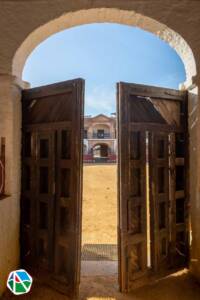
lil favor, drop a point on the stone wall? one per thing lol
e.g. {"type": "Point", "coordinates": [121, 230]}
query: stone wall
{"type": "Point", "coordinates": [194, 139]}
{"type": "Point", "coordinates": [24, 24]}
{"type": "Point", "coordinates": [10, 128]}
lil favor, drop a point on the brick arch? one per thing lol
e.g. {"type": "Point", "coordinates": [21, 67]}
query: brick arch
{"type": "Point", "coordinates": [109, 15]}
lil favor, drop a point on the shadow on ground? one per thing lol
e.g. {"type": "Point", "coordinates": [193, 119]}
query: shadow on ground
{"type": "Point", "coordinates": [179, 286]}
{"type": "Point", "coordinates": [99, 252]}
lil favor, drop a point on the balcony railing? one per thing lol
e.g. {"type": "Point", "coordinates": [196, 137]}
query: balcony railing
{"type": "Point", "coordinates": [101, 135]}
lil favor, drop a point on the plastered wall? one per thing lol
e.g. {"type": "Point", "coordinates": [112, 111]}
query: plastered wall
{"type": "Point", "coordinates": [24, 24]}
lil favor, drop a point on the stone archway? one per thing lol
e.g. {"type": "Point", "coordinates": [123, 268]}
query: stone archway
{"type": "Point", "coordinates": [102, 15]}
{"type": "Point", "coordinates": [21, 41]}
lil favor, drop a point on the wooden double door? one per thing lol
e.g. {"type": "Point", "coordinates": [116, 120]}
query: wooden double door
{"type": "Point", "coordinates": [152, 182]}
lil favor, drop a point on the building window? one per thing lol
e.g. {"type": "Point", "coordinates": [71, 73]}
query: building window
{"type": "Point", "coordinates": [100, 134]}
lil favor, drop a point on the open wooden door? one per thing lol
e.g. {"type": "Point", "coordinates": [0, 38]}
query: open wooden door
{"type": "Point", "coordinates": [153, 179]}
{"type": "Point", "coordinates": [52, 183]}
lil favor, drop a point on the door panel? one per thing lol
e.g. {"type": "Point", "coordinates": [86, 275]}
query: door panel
{"type": "Point", "coordinates": [179, 207]}
{"type": "Point", "coordinates": [159, 198]}
{"type": "Point", "coordinates": [152, 182]}
{"type": "Point", "coordinates": [52, 182]}
{"type": "Point", "coordinates": [132, 194]}
{"type": "Point", "coordinates": [43, 192]}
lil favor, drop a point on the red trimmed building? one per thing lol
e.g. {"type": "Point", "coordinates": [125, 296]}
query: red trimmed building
{"type": "Point", "coordinates": [100, 139]}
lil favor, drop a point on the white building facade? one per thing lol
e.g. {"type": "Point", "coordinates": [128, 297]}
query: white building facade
{"type": "Point", "coordinates": [100, 144]}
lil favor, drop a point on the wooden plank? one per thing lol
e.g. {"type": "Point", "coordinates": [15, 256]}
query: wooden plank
{"type": "Point", "coordinates": [119, 242]}
{"type": "Point", "coordinates": [59, 88]}
{"type": "Point", "coordinates": [154, 127]}
{"type": "Point", "coordinates": [179, 206]}
{"type": "Point", "coordinates": [159, 200]}
{"type": "Point", "coordinates": [48, 126]}
{"type": "Point", "coordinates": [135, 238]}
{"type": "Point", "coordinates": [155, 92]}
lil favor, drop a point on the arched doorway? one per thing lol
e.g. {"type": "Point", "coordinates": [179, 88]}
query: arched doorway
{"type": "Point", "coordinates": [100, 152]}
{"type": "Point", "coordinates": [133, 250]}
{"type": "Point", "coordinates": [100, 15]}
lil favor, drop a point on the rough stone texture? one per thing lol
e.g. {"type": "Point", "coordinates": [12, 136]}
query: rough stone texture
{"type": "Point", "coordinates": [174, 21]}
{"type": "Point", "coordinates": [24, 24]}
{"type": "Point", "coordinates": [194, 113]}
{"type": "Point", "coordinates": [10, 125]}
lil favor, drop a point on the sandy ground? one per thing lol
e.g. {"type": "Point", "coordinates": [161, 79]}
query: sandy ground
{"type": "Point", "coordinates": [99, 223]}
{"type": "Point", "coordinates": [99, 268]}
{"type": "Point", "coordinates": [99, 215]}
{"type": "Point", "coordinates": [179, 286]}
{"type": "Point", "coordinates": [99, 226]}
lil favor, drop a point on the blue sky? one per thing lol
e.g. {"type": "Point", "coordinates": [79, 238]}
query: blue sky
{"type": "Point", "coordinates": [104, 54]}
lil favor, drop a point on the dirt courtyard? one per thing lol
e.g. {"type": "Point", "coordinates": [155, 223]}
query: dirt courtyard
{"type": "Point", "coordinates": [99, 221]}
{"type": "Point", "coordinates": [99, 212]}
{"type": "Point", "coordinates": [100, 228]}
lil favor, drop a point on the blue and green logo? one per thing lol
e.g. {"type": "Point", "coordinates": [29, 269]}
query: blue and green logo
{"type": "Point", "coordinates": [19, 282]}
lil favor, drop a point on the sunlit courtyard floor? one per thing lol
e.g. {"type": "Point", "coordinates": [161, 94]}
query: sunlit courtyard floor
{"type": "Point", "coordinates": [179, 286]}
{"type": "Point", "coordinates": [99, 276]}
{"type": "Point", "coordinates": [99, 211]}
